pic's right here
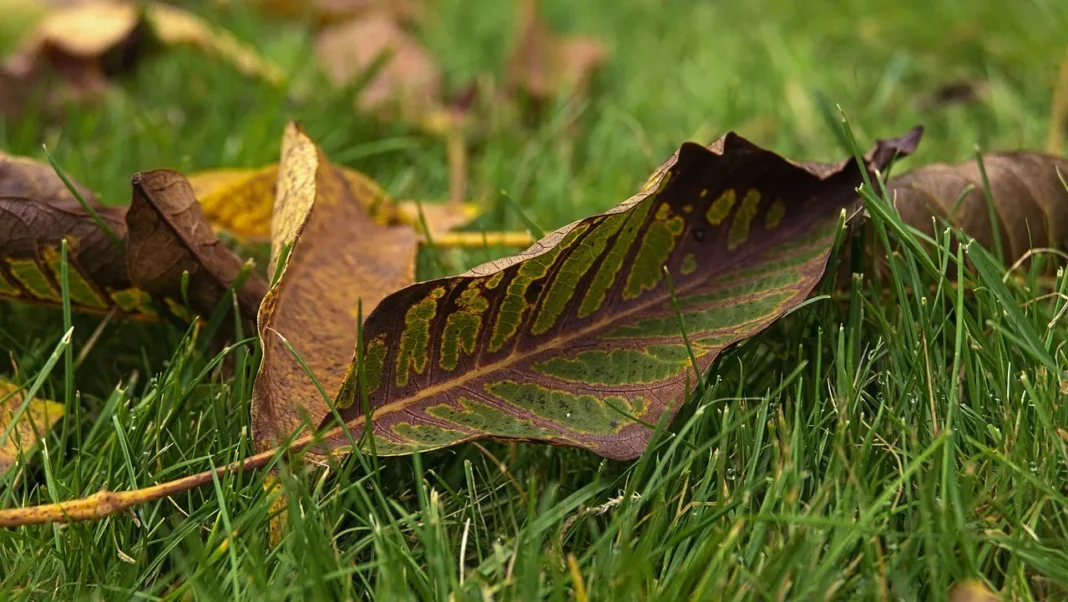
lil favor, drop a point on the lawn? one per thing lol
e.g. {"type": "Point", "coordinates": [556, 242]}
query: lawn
{"type": "Point", "coordinates": [882, 443]}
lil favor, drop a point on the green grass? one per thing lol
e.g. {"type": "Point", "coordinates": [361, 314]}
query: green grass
{"type": "Point", "coordinates": [907, 434]}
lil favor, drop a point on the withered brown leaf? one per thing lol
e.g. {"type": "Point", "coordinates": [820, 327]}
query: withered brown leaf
{"type": "Point", "coordinates": [87, 44]}
{"type": "Point", "coordinates": [169, 236]}
{"type": "Point", "coordinates": [337, 256]}
{"type": "Point", "coordinates": [1029, 198]}
{"type": "Point", "coordinates": [407, 82]}
{"type": "Point", "coordinates": [544, 64]}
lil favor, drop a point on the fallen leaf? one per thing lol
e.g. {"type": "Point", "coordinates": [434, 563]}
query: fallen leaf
{"type": "Point", "coordinates": [89, 43]}
{"type": "Point", "coordinates": [544, 64]}
{"type": "Point", "coordinates": [39, 416]}
{"type": "Point", "coordinates": [241, 201]}
{"type": "Point", "coordinates": [337, 256]}
{"type": "Point", "coordinates": [37, 212]}
{"type": "Point", "coordinates": [1029, 198]}
{"type": "Point", "coordinates": [172, 251]}
{"type": "Point", "coordinates": [407, 81]}
{"type": "Point", "coordinates": [577, 341]}
{"type": "Point", "coordinates": [971, 591]}
{"type": "Point", "coordinates": [176, 27]}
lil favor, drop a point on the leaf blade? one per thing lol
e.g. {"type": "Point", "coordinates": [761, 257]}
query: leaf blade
{"type": "Point", "coordinates": [507, 349]}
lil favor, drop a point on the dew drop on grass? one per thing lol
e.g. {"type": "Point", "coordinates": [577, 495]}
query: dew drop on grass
{"type": "Point", "coordinates": [732, 474]}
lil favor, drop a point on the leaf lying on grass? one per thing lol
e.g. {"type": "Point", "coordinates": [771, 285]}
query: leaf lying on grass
{"type": "Point", "coordinates": [87, 44]}
{"type": "Point", "coordinates": [37, 212]}
{"type": "Point", "coordinates": [544, 64]}
{"type": "Point", "coordinates": [337, 256]}
{"type": "Point", "coordinates": [241, 201]}
{"type": "Point", "coordinates": [32, 423]}
{"type": "Point", "coordinates": [112, 267]}
{"type": "Point", "coordinates": [1030, 202]}
{"type": "Point", "coordinates": [576, 341]}
{"type": "Point", "coordinates": [172, 252]}
{"type": "Point", "coordinates": [407, 79]}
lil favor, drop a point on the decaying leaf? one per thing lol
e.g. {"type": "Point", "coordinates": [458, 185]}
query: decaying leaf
{"type": "Point", "coordinates": [240, 201]}
{"type": "Point", "coordinates": [337, 257]}
{"type": "Point", "coordinates": [1029, 199]}
{"type": "Point", "coordinates": [576, 341]}
{"type": "Point", "coordinates": [172, 252]}
{"type": "Point", "coordinates": [33, 423]}
{"type": "Point", "coordinates": [543, 64]}
{"type": "Point", "coordinates": [407, 81]}
{"type": "Point", "coordinates": [88, 43]}
{"type": "Point", "coordinates": [971, 591]}
{"type": "Point", "coordinates": [37, 212]}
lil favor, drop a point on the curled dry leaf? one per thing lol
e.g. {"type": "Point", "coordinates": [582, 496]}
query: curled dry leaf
{"type": "Point", "coordinates": [37, 212]}
{"type": "Point", "coordinates": [578, 340]}
{"type": "Point", "coordinates": [1029, 198]}
{"type": "Point", "coordinates": [172, 252]}
{"type": "Point", "coordinates": [33, 422]}
{"type": "Point", "coordinates": [337, 256]}
{"type": "Point", "coordinates": [407, 81]}
{"type": "Point", "coordinates": [167, 235]}
{"type": "Point", "coordinates": [543, 64]}
{"type": "Point", "coordinates": [90, 42]}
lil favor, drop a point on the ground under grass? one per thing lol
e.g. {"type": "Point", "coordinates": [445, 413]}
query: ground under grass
{"type": "Point", "coordinates": [881, 444]}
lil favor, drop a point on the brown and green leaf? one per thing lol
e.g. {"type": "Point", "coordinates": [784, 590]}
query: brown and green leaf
{"type": "Point", "coordinates": [577, 341]}
{"type": "Point", "coordinates": [130, 270]}
{"type": "Point", "coordinates": [335, 256]}
{"type": "Point", "coordinates": [37, 212]}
